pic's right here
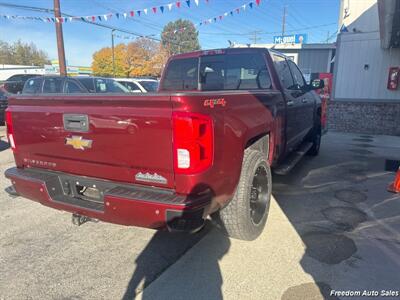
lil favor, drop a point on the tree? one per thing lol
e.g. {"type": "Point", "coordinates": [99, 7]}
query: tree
{"type": "Point", "coordinates": [102, 62]}
{"type": "Point", "coordinates": [142, 57]}
{"type": "Point", "coordinates": [180, 36]}
{"type": "Point", "coordinates": [19, 53]}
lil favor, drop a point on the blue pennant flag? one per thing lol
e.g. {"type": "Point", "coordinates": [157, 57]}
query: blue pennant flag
{"type": "Point", "coordinates": [138, 13]}
{"type": "Point", "coordinates": [188, 3]}
{"type": "Point", "coordinates": [162, 9]}
{"type": "Point", "coordinates": [117, 14]}
{"type": "Point", "coordinates": [251, 4]}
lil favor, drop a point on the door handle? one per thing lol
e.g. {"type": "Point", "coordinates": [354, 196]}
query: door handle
{"type": "Point", "coordinates": [290, 103]}
{"type": "Point", "coordinates": [304, 100]}
{"type": "Point", "coordinates": [76, 122]}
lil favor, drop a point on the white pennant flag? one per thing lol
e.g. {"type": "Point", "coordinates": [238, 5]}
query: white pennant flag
{"type": "Point", "coordinates": [244, 6]}
{"type": "Point", "coordinates": [105, 17]}
{"type": "Point", "coordinates": [197, 2]}
{"type": "Point", "coordinates": [225, 14]}
{"type": "Point", "coordinates": [125, 15]}
{"type": "Point", "coordinates": [70, 19]}
{"type": "Point", "coordinates": [170, 6]}
{"type": "Point", "coordinates": [145, 11]}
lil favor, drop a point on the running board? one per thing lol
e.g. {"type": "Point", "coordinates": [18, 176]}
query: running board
{"type": "Point", "coordinates": [288, 164]}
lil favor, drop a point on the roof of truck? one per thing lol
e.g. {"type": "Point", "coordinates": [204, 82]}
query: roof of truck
{"type": "Point", "coordinates": [218, 51]}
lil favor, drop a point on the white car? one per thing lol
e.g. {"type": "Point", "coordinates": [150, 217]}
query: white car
{"type": "Point", "coordinates": [139, 85]}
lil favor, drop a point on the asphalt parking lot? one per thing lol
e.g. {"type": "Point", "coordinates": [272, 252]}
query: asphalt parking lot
{"type": "Point", "coordinates": [332, 226]}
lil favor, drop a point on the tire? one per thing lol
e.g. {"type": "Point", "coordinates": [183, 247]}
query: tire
{"type": "Point", "coordinates": [245, 215]}
{"type": "Point", "coordinates": [315, 138]}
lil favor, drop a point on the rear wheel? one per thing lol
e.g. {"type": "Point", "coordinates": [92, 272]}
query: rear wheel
{"type": "Point", "coordinates": [246, 214]}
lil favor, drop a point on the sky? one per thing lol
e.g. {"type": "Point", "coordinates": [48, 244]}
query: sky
{"type": "Point", "coordinates": [316, 18]}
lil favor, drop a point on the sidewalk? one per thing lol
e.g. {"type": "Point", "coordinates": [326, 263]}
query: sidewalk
{"type": "Point", "coordinates": [332, 226]}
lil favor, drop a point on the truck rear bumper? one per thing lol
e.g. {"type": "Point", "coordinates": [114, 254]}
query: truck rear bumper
{"type": "Point", "coordinates": [111, 202]}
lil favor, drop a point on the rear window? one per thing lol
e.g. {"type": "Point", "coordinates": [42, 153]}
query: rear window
{"type": "Point", "coordinates": [33, 86]}
{"type": "Point", "coordinates": [234, 72]}
{"type": "Point", "coordinates": [181, 75]}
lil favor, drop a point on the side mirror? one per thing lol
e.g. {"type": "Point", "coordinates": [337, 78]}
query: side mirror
{"type": "Point", "coordinates": [316, 84]}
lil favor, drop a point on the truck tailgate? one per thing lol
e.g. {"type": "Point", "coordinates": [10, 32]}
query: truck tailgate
{"type": "Point", "coordinates": [128, 138]}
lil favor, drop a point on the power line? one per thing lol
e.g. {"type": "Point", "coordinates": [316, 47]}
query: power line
{"type": "Point", "coordinates": [271, 32]}
{"type": "Point", "coordinates": [48, 10]}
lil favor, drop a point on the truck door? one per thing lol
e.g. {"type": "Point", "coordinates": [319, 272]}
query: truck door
{"type": "Point", "coordinates": [293, 102]}
{"type": "Point", "coordinates": [307, 100]}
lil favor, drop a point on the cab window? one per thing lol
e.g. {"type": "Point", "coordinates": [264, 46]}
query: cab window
{"type": "Point", "coordinates": [53, 85]}
{"type": "Point", "coordinates": [33, 86]}
{"type": "Point", "coordinates": [234, 72]}
{"type": "Point", "coordinates": [283, 70]}
{"type": "Point", "coordinates": [181, 75]}
{"type": "Point", "coordinates": [72, 87]}
{"type": "Point", "coordinates": [297, 76]}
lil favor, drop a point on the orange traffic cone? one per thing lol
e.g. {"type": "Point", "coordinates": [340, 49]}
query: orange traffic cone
{"type": "Point", "coordinates": [394, 187]}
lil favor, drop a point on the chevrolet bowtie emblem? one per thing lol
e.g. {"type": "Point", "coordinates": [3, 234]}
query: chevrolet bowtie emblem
{"type": "Point", "coordinates": [77, 142]}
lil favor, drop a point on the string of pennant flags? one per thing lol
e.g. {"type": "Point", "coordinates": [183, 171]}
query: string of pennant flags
{"type": "Point", "coordinates": [215, 19]}
{"type": "Point", "coordinates": [224, 15]}
{"type": "Point", "coordinates": [138, 13]}
{"type": "Point", "coordinates": [109, 16]}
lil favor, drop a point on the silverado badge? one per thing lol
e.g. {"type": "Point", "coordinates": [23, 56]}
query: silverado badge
{"type": "Point", "coordinates": [77, 142]}
{"type": "Point", "coordinates": [148, 177]}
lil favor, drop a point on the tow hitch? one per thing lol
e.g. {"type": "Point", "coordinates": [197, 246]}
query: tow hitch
{"type": "Point", "coordinates": [78, 220]}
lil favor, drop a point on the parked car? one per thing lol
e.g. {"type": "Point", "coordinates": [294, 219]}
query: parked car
{"type": "Point", "coordinates": [3, 104]}
{"type": "Point", "coordinates": [204, 145]}
{"type": "Point", "coordinates": [139, 85]}
{"type": "Point", "coordinates": [70, 85]}
{"type": "Point", "coordinates": [15, 83]}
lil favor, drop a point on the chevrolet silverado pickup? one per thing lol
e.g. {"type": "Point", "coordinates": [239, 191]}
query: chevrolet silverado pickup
{"type": "Point", "coordinates": [203, 145]}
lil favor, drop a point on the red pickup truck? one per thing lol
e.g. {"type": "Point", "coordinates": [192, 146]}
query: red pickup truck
{"type": "Point", "coordinates": [202, 145]}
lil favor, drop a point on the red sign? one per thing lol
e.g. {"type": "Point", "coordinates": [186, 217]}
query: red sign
{"type": "Point", "coordinates": [393, 79]}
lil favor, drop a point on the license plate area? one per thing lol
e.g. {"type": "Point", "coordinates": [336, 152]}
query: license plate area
{"type": "Point", "coordinates": [83, 190]}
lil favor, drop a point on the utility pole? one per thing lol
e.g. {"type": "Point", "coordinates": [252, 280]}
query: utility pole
{"type": "Point", "coordinates": [255, 38]}
{"type": "Point", "coordinates": [327, 37]}
{"type": "Point", "coordinates": [112, 49]}
{"type": "Point", "coordinates": [60, 39]}
{"type": "Point", "coordinates": [284, 20]}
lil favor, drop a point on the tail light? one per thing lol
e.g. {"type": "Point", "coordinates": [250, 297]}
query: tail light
{"type": "Point", "coordinates": [10, 130]}
{"type": "Point", "coordinates": [193, 142]}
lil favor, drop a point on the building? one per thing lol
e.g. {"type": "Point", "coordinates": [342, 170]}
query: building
{"type": "Point", "coordinates": [6, 71]}
{"type": "Point", "coordinates": [311, 58]}
{"type": "Point", "coordinates": [367, 47]}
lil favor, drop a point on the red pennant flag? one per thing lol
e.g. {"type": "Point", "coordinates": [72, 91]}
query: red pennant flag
{"type": "Point", "coordinates": [132, 13]}
{"type": "Point", "coordinates": [178, 4]}
{"type": "Point", "coordinates": [237, 10]}
{"type": "Point", "coordinates": [93, 18]}
{"type": "Point", "coordinates": [154, 9]}
{"type": "Point", "coordinates": [220, 17]}
{"type": "Point", "coordinates": [258, 2]}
